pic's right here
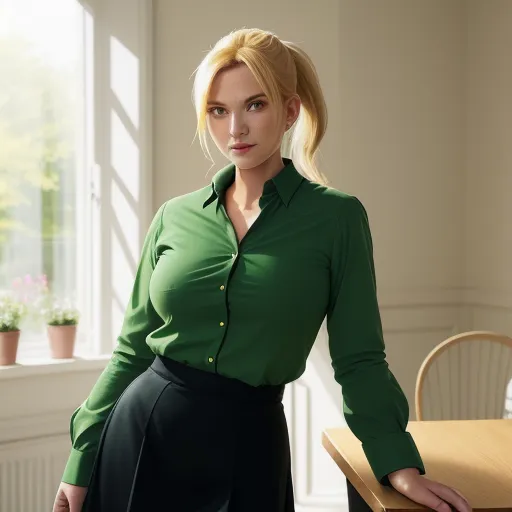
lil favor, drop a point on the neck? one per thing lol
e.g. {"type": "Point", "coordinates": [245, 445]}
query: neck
{"type": "Point", "coordinates": [247, 188]}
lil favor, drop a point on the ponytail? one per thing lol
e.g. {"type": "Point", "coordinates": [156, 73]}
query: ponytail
{"type": "Point", "coordinates": [311, 124]}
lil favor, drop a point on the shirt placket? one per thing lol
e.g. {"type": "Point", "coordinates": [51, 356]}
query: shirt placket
{"type": "Point", "coordinates": [235, 256]}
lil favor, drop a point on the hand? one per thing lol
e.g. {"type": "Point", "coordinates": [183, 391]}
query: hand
{"type": "Point", "coordinates": [427, 492]}
{"type": "Point", "coordinates": [70, 498]}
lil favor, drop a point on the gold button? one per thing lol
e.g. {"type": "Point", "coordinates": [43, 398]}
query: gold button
{"type": "Point", "coordinates": [222, 324]}
{"type": "Point", "coordinates": [222, 287]}
{"type": "Point", "coordinates": [210, 359]}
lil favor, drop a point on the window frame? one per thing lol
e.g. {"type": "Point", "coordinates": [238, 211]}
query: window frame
{"type": "Point", "coordinates": [95, 219]}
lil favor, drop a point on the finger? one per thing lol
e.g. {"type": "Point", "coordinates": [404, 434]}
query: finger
{"type": "Point", "coordinates": [463, 497]}
{"type": "Point", "coordinates": [61, 503]}
{"type": "Point", "coordinates": [424, 495]}
{"type": "Point", "coordinates": [450, 496]}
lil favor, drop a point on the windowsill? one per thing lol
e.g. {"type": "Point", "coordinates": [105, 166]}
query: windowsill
{"type": "Point", "coordinates": [45, 366]}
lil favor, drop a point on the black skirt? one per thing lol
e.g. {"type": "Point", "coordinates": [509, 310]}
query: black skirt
{"type": "Point", "coordinates": [181, 439]}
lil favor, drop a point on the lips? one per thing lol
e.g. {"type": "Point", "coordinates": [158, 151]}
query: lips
{"type": "Point", "coordinates": [241, 146]}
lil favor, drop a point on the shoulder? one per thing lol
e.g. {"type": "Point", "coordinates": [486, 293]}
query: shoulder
{"type": "Point", "coordinates": [178, 204]}
{"type": "Point", "coordinates": [332, 201]}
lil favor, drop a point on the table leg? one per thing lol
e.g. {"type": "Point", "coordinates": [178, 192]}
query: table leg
{"type": "Point", "coordinates": [355, 502]}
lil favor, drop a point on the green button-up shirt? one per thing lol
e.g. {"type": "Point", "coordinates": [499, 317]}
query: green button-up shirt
{"type": "Point", "coordinates": [252, 310]}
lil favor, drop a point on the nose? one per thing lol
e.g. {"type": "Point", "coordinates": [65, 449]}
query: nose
{"type": "Point", "coordinates": [237, 125]}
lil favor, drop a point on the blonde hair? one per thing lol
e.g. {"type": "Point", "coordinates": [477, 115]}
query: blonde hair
{"type": "Point", "coordinates": [282, 69]}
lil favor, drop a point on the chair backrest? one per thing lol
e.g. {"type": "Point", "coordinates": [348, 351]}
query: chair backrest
{"type": "Point", "coordinates": [467, 376]}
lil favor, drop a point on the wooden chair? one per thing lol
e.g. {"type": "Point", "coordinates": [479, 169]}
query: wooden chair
{"type": "Point", "coordinates": [467, 376]}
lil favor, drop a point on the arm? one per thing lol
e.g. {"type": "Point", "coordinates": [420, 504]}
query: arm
{"type": "Point", "coordinates": [131, 357]}
{"type": "Point", "coordinates": [375, 407]}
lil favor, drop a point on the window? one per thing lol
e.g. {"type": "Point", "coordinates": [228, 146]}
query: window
{"type": "Point", "coordinates": [43, 152]}
{"type": "Point", "coordinates": [75, 156]}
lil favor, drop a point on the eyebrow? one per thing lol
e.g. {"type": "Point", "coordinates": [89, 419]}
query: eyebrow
{"type": "Point", "coordinates": [250, 98]}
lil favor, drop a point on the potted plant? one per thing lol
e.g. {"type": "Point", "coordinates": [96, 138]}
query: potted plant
{"type": "Point", "coordinates": [62, 321]}
{"type": "Point", "coordinates": [11, 314]}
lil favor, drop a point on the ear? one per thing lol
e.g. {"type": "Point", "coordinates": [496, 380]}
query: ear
{"type": "Point", "coordinates": [292, 110]}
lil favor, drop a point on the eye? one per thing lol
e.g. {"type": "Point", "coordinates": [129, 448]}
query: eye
{"type": "Point", "coordinates": [258, 103]}
{"type": "Point", "coordinates": [211, 110]}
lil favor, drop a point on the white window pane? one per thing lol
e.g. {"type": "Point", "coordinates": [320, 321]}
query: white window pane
{"type": "Point", "coordinates": [41, 141]}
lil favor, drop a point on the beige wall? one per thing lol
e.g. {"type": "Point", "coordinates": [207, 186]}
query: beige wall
{"type": "Point", "coordinates": [413, 119]}
{"type": "Point", "coordinates": [488, 206]}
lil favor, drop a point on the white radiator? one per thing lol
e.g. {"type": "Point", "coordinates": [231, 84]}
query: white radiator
{"type": "Point", "coordinates": [30, 472]}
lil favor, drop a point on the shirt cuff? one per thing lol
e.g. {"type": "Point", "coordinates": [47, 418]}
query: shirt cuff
{"type": "Point", "coordinates": [79, 468]}
{"type": "Point", "coordinates": [391, 453]}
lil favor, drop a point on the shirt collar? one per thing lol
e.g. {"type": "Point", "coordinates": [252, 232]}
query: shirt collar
{"type": "Point", "coordinates": [285, 182]}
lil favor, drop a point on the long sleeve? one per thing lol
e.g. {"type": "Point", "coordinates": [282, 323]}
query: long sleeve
{"type": "Point", "coordinates": [130, 358]}
{"type": "Point", "coordinates": [374, 405]}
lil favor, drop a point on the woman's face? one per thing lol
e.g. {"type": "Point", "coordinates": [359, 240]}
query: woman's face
{"type": "Point", "coordinates": [238, 112]}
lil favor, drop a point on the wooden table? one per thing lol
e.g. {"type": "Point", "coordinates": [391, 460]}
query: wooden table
{"type": "Point", "coordinates": [473, 456]}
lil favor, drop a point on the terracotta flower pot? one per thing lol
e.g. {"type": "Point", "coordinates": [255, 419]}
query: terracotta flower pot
{"type": "Point", "coordinates": [62, 340]}
{"type": "Point", "coordinates": [9, 347]}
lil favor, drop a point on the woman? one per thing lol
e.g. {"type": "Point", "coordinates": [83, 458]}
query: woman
{"type": "Point", "coordinates": [233, 284]}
